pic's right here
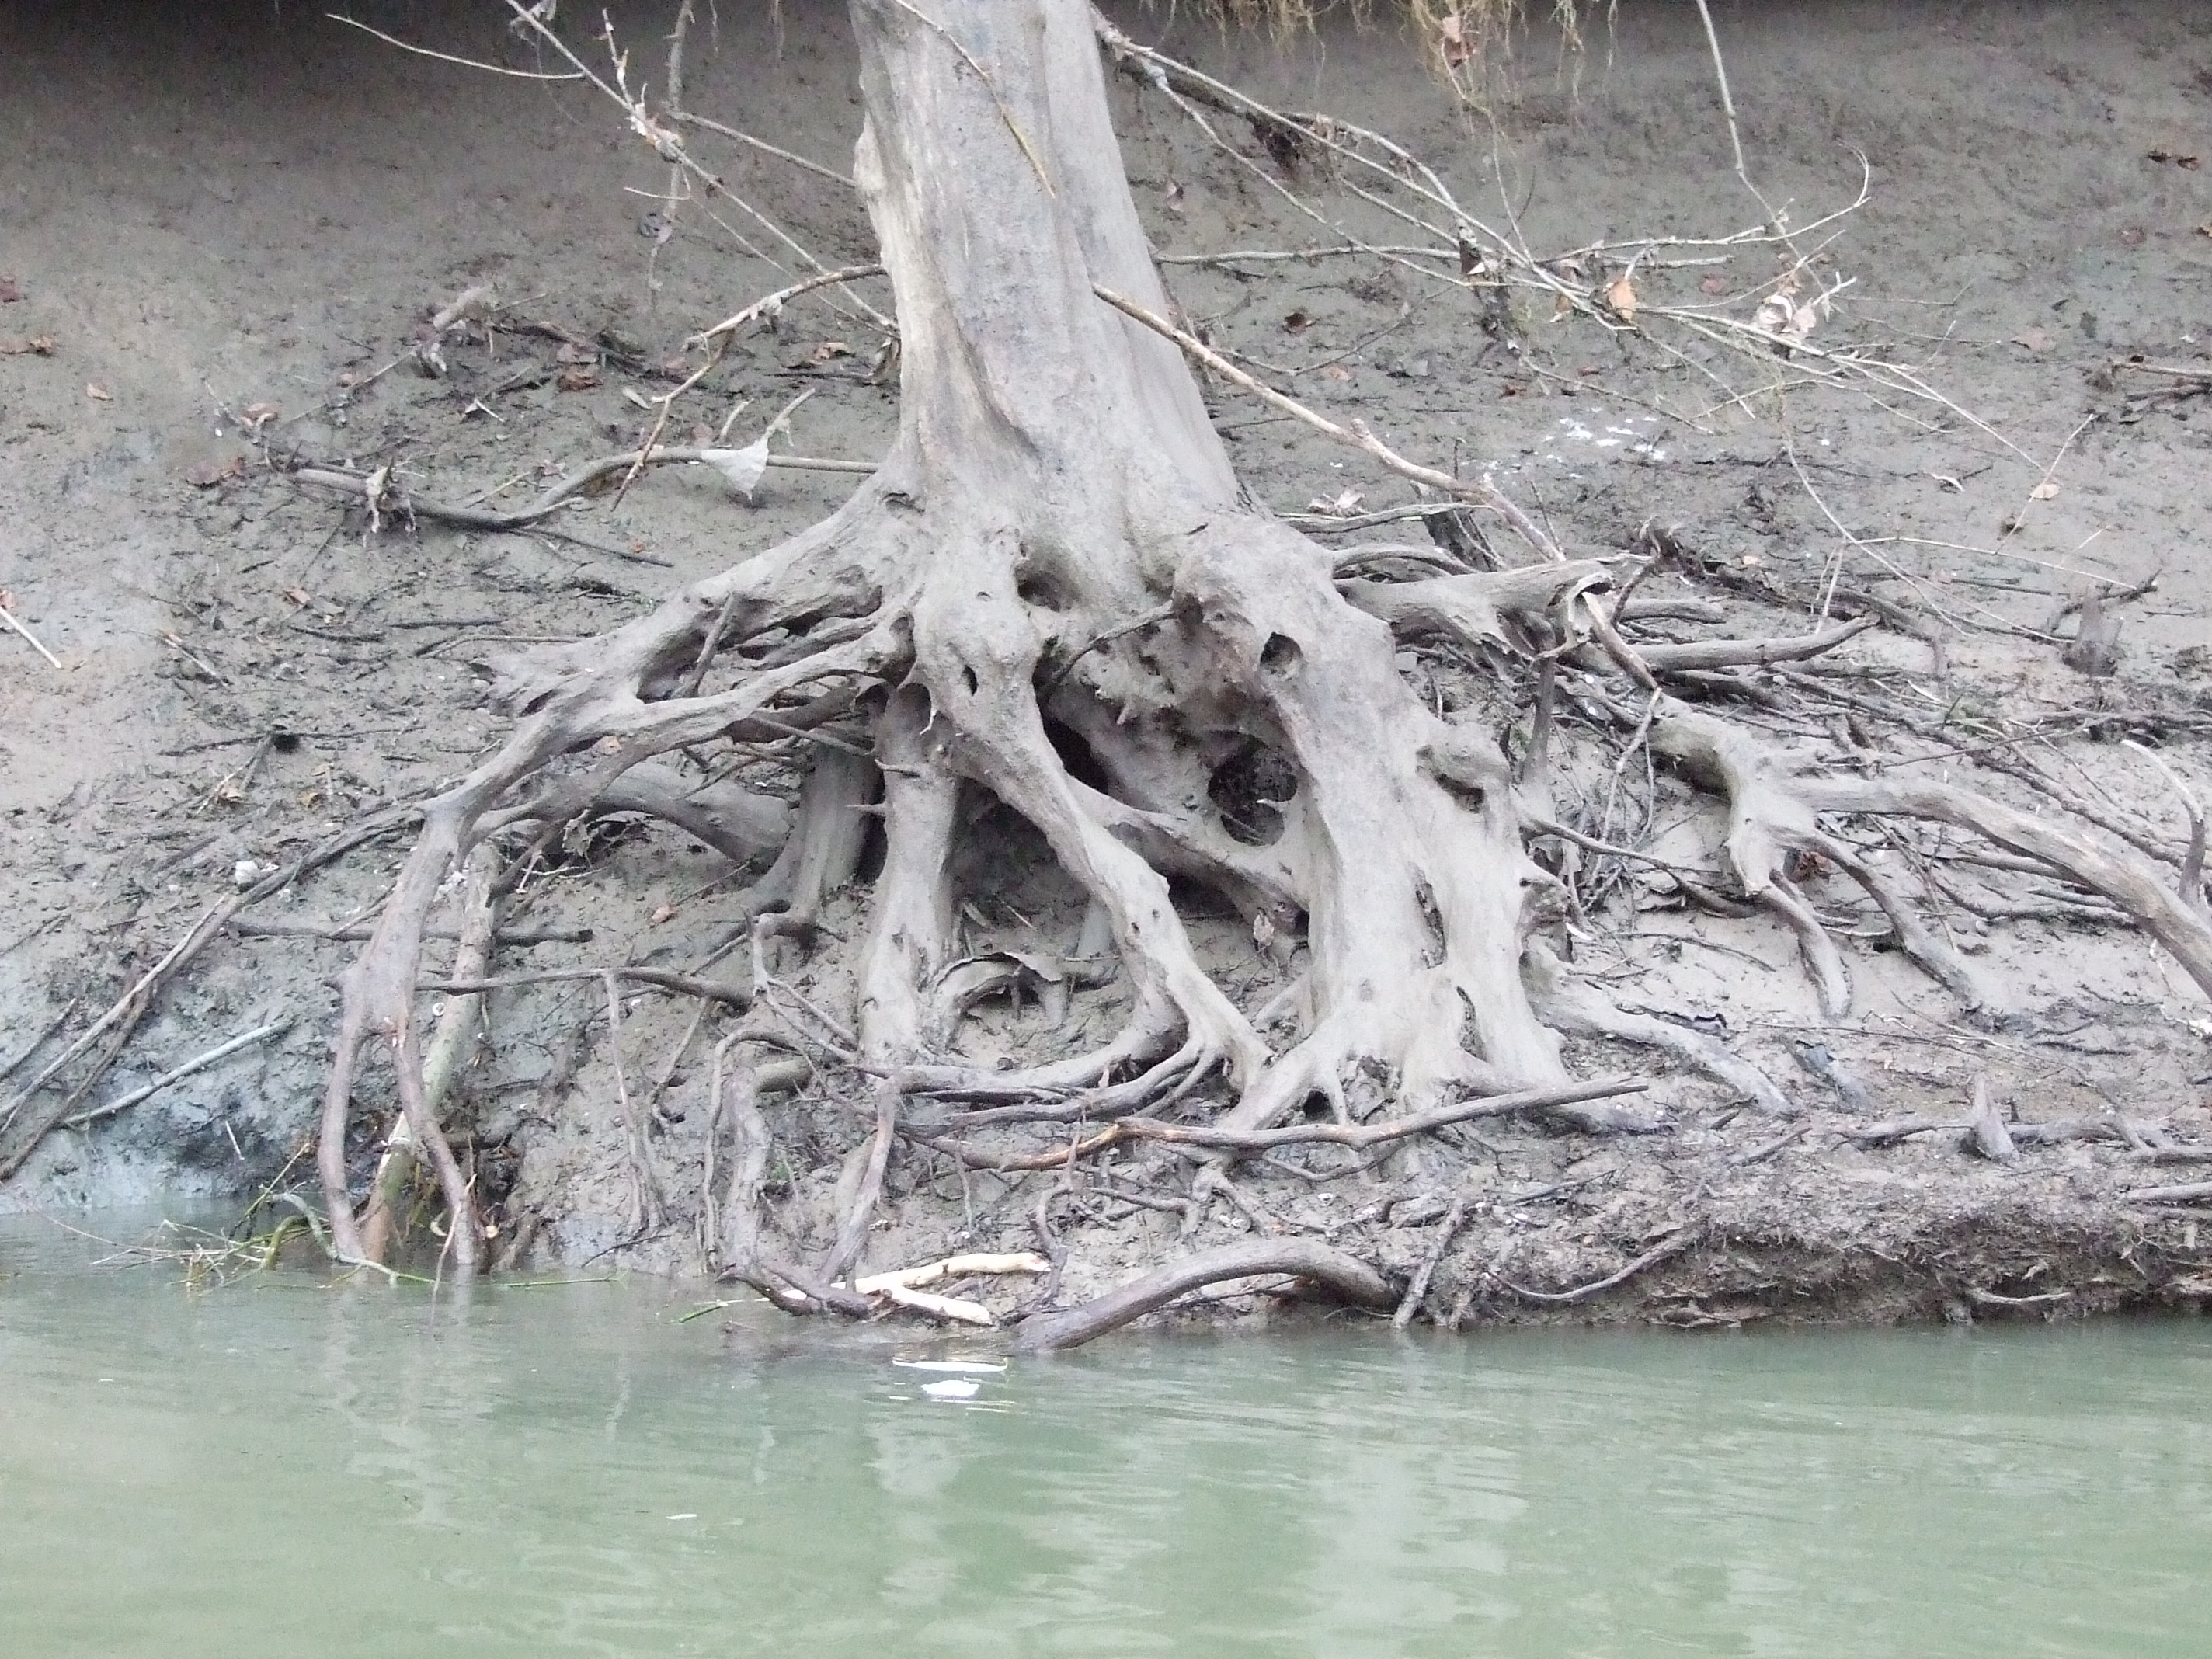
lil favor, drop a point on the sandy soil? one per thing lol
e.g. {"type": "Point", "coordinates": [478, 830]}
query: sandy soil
{"type": "Point", "coordinates": [229, 225]}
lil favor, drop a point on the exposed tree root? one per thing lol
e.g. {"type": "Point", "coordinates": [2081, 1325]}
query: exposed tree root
{"type": "Point", "coordinates": [1052, 601]}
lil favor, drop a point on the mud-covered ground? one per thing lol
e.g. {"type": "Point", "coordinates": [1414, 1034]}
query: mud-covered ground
{"type": "Point", "coordinates": [222, 227]}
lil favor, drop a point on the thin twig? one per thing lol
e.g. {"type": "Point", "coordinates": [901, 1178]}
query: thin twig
{"type": "Point", "coordinates": [1353, 436]}
{"type": "Point", "coordinates": [9, 617]}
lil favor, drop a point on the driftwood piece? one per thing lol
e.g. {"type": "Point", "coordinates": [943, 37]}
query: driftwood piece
{"type": "Point", "coordinates": [1352, 1280]}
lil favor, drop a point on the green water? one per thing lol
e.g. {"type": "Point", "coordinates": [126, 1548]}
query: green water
{"type": "Point", "coordinates": [281, 1468]}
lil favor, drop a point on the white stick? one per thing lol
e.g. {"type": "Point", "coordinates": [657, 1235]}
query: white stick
{"type": "Point", "coordinates": [8, 617]}
{"type": "Point", "coordinates": [197, 1063]}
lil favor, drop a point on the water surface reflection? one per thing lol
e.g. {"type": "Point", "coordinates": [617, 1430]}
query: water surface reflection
{"type": "Point", "coordinates": [283, 1467]}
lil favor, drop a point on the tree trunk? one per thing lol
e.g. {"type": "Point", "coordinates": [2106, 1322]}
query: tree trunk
{"type": "Point", "coordinates": [1062, 484]}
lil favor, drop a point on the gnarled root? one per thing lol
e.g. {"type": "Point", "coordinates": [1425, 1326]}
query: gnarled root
{"type": "Point", "coordinates": [1052, 594]}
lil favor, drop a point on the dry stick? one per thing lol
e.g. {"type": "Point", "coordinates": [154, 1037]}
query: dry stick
{"type": "Point", "coordinates": [1359, 1136]}
{"type": "Point", "coordinates": [770, 305]}
{"type": "Point", "coordinates": [1728, 108]}
{"type": "Point", "coordinates": [1354, 436]}
{"type": "Point", "coordinates": [1351, 1279]}
{"type": "Point", "coordinates": [448, 57]}
{"type": "Point", "coordinates": [8, 1068]}
{"type": "Point", "coordinates": [197, 1063]}
{"type": "Point", "coordinates": [1673, 1244]}
{"type": "Point", "coordinates": [353, 933]}
{"type": "Point", "coordinates": [681, 984]}
{"type": "Point", "coordinates": [2195, 1193]}
{"type": "Point", "coordinates": [665, 143]}
{"type": "Point", "coordinates": [1410, 1303]}
{"type": "Point", "coordinates": [2192, 861]}
{"type": "Point", "coordinates": [119, 1018]}
{"type": "Point", "coordinates": [685, 118]}
{"type": "Point", "coordinates": [382, 495]}
{"type": "Point", "coordinates": [9, 617]}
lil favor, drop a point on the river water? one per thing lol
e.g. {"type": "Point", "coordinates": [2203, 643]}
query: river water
{"type": "Point", "coordinates": [279, 1468]}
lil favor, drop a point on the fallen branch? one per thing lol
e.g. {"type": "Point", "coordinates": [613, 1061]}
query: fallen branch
{"type": "Point", "coordinates": [734, 996]}
{"type": "Point", "coordinates": [384, 494]}
{"type": "Point", "coordinates": [952, 1267]}
{"type": "Point", "coordinates": [1351, 1279]}
{"type": "Point", "coordinates": [278, 928]}
{"type": "Point", "coordinates": [2196, 1191]}
{"type": "Point", "coordinates": [1731, 653]}
{"type": "Point", "coordinates": [1410, 1303]}
{"type": "Point", "coordinates": [770, 305]}
{"type": "Point", "coordinates": [177, 1074]}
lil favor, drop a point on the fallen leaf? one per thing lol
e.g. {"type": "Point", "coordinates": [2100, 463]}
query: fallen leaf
{"type": "Point", "coordinates": [2043, 492]}
{"type": "Point", "coordinates": [1621, 297]}
{"type": "Point", "coordinates": [666, 913]}
{"type": "Point", "coordinates": [570, 352]}
{"type": "Point", "coordinates": [215, 472]}
{"type": "Point", "coordinates": [11, 290]}
{"type": "Point", "coordinates": [578, 379]}
{"type": "Point", "coordinates": [1336, 372]}
{"type": "Point", "coordinates": [1715, 284]}
{"type": "Point", "coordinates": [741, 469]}
{"type": "Point", "coordinates": [1298, 323]}
{"type": "Point", "coordinates": [259, 415]}
{"type": "Point", "coordinates": [299, 597]}
{"type": "Point", "coordinates": [830, 350]}
{"type": "Point", "coordinates": [2205, 230]}
{"type": "Point", "coordinates": [632, 395]}
{"type": "Point", "coordinates": [99, 394]}
{"type": "Point", "coordinates": [1343, 505]}
{"type": "Point", "coordinates": [2132, 235]}
{"type": "Point", "coordinates": [14, 345]}
{"type": "Point", "coordinates": [1176, 194]}
{"type": "Point", "coordinates": [1452, 40]}
{"type": "Point", "coordinates": [2034, 338]}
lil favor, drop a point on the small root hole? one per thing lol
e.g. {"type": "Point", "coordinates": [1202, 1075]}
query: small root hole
{"type": "Point", "coordinates": [1247, 789]}
{"type": "Point", "coordinates": [1280, 656]}
{"type": "Point", "coordinates": [1077, 756]}
{"type": "Point", "coordinates": [1471, 796]}
{"type": "Point", "coordinates": [1042, 591]}
{"type": "Point", "coordinates": [968, 677]}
